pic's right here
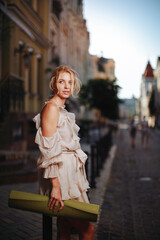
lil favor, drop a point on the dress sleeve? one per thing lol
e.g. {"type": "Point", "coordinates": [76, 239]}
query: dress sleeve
{"type": "Point", "coordinates": [51, 171]}
{"type": "Point", "coordinates": [50, 149]}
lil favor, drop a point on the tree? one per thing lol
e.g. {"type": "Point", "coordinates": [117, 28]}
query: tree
{"type": "Point", "coordinates": [151, 105]}
{"type": "Point", "coordinates": [102, 95]}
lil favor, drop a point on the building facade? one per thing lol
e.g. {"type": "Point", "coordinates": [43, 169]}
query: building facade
{"type": "Point", "coordinates": [36, 36]}
{"type": "Point", "coordinates": [74, 38]}
{"type": "Point", "coordinates": [24, 49]}
{"type": "Point", "coordinates": [148, 84]}
{"type": "Point", "coordinates": [101, 68]}
{"type": "Point", "coordinates": [157, 76]}
{"type": "Point", "coordinates": [128, 108]}
{"type": "Point", "coordinates": [69, 37]}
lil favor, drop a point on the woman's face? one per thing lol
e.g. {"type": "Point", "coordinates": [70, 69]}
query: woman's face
{"type": "Point", "coordinates": [64, 85]}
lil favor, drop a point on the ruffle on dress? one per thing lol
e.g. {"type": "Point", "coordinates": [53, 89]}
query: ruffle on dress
{"type": "Point", "coordinates": [82, 156]}
{"type": "Point", "coordinates": [72, 176]}
{"type": "Point", "coordinates": [68, 130]}
{"type": "Point", "coordinates": [74, 191]}
{"type": "Point", "coordinates": [37, 120]}
{"type": "Point", "coordinates": [70, 117]}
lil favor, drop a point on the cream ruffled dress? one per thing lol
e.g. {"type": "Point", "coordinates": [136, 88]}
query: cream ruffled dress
{"type": "Point", "coordinates": [61, 156]}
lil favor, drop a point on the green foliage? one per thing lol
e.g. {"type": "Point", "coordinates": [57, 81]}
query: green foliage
{"type": "Point", "coordinates": [102, 95]}
{"type": "Point", "coordinates": [152, 108]}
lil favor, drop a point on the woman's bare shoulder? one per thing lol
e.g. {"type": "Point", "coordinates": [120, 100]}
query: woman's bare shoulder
{"type": "Point", "coordinates": [50, 111]}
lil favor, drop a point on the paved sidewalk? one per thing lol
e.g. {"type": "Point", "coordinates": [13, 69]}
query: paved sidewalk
{"type": "Point", "coordinates": [131, 207]}
{"type": "Point", "coordinates": [17, 224]}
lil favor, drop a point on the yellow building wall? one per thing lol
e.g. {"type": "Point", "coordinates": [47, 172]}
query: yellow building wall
{"type": "Point", "coordinates": [33, 101]}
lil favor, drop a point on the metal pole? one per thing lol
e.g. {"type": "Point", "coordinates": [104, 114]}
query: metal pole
{"type": "Point", "coordinates": [93, 166]}
{"type": "Point", "coordinates": [47, 227]}
{"type": "Point", "coordinates": [97, 159]}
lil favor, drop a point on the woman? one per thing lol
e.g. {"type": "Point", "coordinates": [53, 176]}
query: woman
{"type": "Point", "coordinates": [61, 161]}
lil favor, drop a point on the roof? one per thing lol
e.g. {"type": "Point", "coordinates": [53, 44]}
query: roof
{"type": "Point", "coordinates": [148, 71]}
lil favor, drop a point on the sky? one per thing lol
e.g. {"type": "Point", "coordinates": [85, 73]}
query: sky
{"type": "Point", "coordinates": [127, 31]}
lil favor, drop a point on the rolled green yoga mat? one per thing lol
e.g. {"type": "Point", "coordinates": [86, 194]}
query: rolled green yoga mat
{"type": "Point", "coordinates": [39, 203]}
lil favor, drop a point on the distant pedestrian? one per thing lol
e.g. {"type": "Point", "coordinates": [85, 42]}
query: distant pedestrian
{"type": "Point", "coordinates": [133, 130]}
{"type": "Point", "coordinates": [145, 133]}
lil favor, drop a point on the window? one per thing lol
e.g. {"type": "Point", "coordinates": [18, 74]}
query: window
{"type": "Point", "coordinates": [18, 131]}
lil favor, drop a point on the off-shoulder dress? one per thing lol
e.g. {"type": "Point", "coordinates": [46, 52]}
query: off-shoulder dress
{"type": "Point", "coordinates": [61, 156]}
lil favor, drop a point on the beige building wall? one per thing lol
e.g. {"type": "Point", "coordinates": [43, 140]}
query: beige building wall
{"type": "Point", "coordinates": [157, 76]}
{"type": "Point", "coordinates": [68, 37]}
{"type": "Point", "coordinates": [144, 100]}
{"type": "Point", "coordinates": [101, 68]}
{"type": "Point", "coordinates": [74, 38]}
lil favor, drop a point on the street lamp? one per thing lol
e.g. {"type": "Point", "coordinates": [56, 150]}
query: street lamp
{"type": "Point", "coordinates": [21, 47]}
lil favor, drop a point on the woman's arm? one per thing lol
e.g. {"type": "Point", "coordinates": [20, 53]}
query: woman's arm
{"type": "Point", "coordinates": [49, 121]}
{"type": "Point", "coordinates": [56, 196]}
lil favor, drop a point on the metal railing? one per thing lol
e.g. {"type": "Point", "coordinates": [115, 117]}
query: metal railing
{"type": "Point", "coordinates": [97, 157]}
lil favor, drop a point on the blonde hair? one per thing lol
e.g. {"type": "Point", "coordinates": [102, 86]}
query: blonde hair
{"type": "Point", "coordinates": [55, 76]}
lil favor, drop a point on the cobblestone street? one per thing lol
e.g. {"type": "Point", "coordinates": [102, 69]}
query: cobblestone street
{"type": "Point", "coordinates": [130, 200]}
{"type": "Point", "coordinates": [131, 207]}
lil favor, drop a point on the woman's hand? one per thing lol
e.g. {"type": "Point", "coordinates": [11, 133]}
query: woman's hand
{"type": "Point", "coordinates": [56, 196]}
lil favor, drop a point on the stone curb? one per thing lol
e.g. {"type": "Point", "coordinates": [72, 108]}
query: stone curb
{"type": "Point", "coordinates": [96, 195]}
